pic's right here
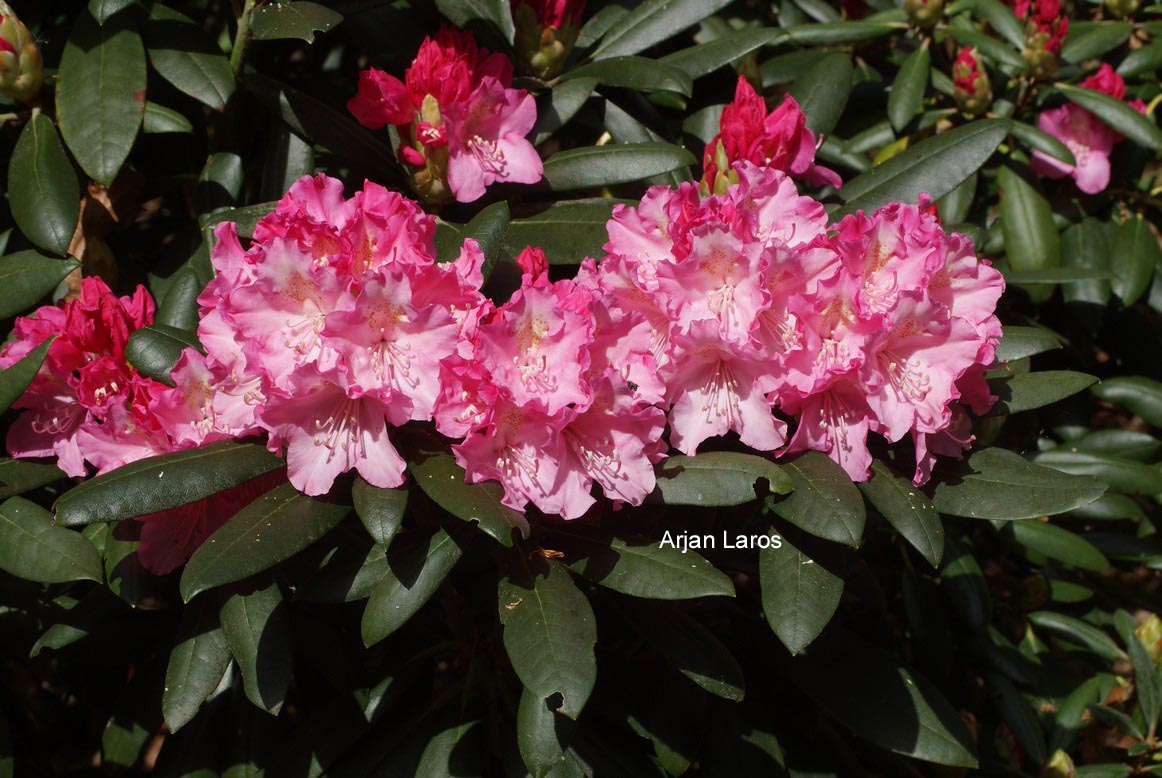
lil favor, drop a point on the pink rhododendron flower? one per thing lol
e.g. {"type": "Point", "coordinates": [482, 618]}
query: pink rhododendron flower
{"type": "Point", "coordinates": [1089, 138]}
{"type": "Point", "coordinates": [332, 327]}
{"type": "Point", "coordinates": [779, 140]}
{"type": "Point", "coordinates": [462, 125]}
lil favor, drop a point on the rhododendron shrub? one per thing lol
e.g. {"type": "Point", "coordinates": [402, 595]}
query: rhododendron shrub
{"type": "Point", "coordinates": [590, 388]}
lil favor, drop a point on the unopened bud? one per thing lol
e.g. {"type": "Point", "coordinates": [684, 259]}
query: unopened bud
{"type": "Point", "coordinates": [1122, 8]}
{"type": "Point", "coordinates": [924, 13]}
{"type": "Point", "coordinates": [546, 31]}
{"type": "Point", "coordinates": [21, 68]}
{"type": "Point", "coordinates": [970, 83]}
{"type": "Point", "coordinates": [1059, 766]}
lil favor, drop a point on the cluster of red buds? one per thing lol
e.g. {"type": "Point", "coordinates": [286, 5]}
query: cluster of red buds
{"type": "Point", "coordinates": [21, 69]}
{"type": "Point", "coordinates": [970, 82]}
{"type": "Point", "coordinates": [1046, 26]}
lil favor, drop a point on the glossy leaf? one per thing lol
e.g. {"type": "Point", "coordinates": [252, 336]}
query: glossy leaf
{"type": "Point", "coordinates": [704, 58]}
{"type": "Point", "coordinates": [1002, 19]}
{"type": "Point", "coordinates": [1039, 140]}
{"type": "Point", "coordinates": [494, 12]}
{"type": "Point", "coordinates": [1138, 394]}
{"type": "Point", "coordinates": [269, 530]}
{"type": "Point", "coordinates": [1133, 257]}
{"type": "Point", "coordinates": [416, 566]}
{"type": "Point", "coordinates": [1095, 42]}
{"type": "Point", "coordinates": [1142, 60]}
{"type": "Point", "coordinates": [182, 53]}
{"type": "Point", "coordinates": [653, 21]}
{"type": "Point", "coordinates": [18, 476]}
{"type": "Point", "coordinates": [299, 19]}
{"type": "Point", "coordinates": [823, 90]}
{"type": "Point", "coordinates": [444, 481]}
{"type": "Point", "coordinates": [568, 231]}
{"type": "Point", "coordinates": [197, 663]}
{"type": "Point", "coordinates": [799, 595]}
{"type": "Point", "coordinates": [597, 166]}
{"type": "Point", "coordinates": [693, 650]}
{"type": "Point", "coordinates": [549, 632]}
{"type": "Point", "coordinates": [380, 510]}
{"type": "Point", "coordinates": [824, 501]}
{"type": "Point", "coordinates": [1026, 391]}
{"type": "Point", "coordinates": [257, 631]}
{"type": "Point", "coordinates": [1031, 239]}
{"type": "Point", "coordinates": [159, 120]}
{"type": "Point", "coordinates": [907, 509]}
{"type": "Point", "coordinates": [542, 735]}
{"type": "Point", "coordinates": [100, 95]}
{"type": "Point", "coordinates": [718, 478]}
{"type": "Point", "coordinates": [14, 380]}
{"type": "Point", "coordinates": [1116, 114]}
{"type": "Point", "coordinates": [33, 549]}
{"type": "Point", "coordinates": [1086, 246]}
{"type": "Point", "coordinates": [1122, 475]}
{"type": "Point", "coordinates": [1020, 342]}
{"type": "Point", "coordinates": [934, 166]}
{"type": "Point", "coordinates": [995, 51]}
{"type": "Point", "coordinates": [103, 9]}
{"type": "Point", "coordinates": [908, 87]}
{"type": "Point", "coordinates": [997, 484]}
{"type": "Point", "coordinates": [834, 33]}
{"type": "Point", "coordinates": [156, 348]}
{"type": "Point", "coordinates": [637, 73]}
{"type": "Point", "coordinates": [42, 187]}
{"type": "Point", "coordinates": [1078, 632]}
{"type": "Point", "coordinates": [1058, 543]}
{"type": "Point", "coordinates": [26, 277]}
{"type": "Point", "coordinates": [560, 104]}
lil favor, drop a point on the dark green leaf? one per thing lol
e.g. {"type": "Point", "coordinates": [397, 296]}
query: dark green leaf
{"type": "Point", "coordinates": [179, 307]}
{"type": "Point", "coordinates": [567, 231]}
{"type": "Point", "coordinates": [288, 159]}
{"type": "Point", "coordinates": [1116, 114]}
{"type": "Point", "coordinates": [1020, 342]}
{"type": "Point", "coordinates": [258, 634]}
{"type": "Point", "coordinates": [997, 484]}
{"type": "Point", "coordinates": [1002, 19]}
{"type": "Point", "coordinates": [597, 166]}
{"type": "Point", "coordinates": [416, 566]}
{"type": "Point", "coordinates": [450, 754]}
{"type": "Point", "coordinates": [197, 663]}
{"type": "Point", "coordinates": [1142, 60]}
{"type": "Point", "coordinates": [1122, 475]}
{"type": "Point", "coordinates": [103, 9]}
{"type": "Point", "coordinates": [653, 22]}
{"type": "Point", "coordinates": [1054, 275]}
{"type": "Point", "coordinates": [560, 104]}
{"type": "Point", "coordinates": [637, 73]}
{"type": "Point", "coordinates": [380, 510]}
{"type": "Point", "coordinates": [908, 87]}
{"type": "Point", "coordinates": [704, 58]}
{"type": "Point", "coordinates": [1058, 543]}
{"type": "Point", "coordinates": [33, 549]}
{"type": "Point", "coordinates": [693, 649]}
{"type": "Point", "coordinates": [444, 481]}
{"type": "Point", "coordinates": [42, 187]}
{"type": "Point", "coordinates": [1019, 715]}
{"type": "Point", "coordinates": [1026, 391]}
{"type": "Point", "coordinates": [1039, 140]}
{"type": "Point", "coordinates": [718, 478]}
{"type": "Point", "coordinates": [299, 19]}
{"type": "Point", "coordinates": [832, 33]}
{"type": "Point", "coordinates": [1031, 239]}
{"type": "Point", "coordinates": [1078, 632]}
{"type": "Point", "coordinates": [159, 120]}
{"type": "Point", "coordinates": [542, 735]}
{"type": "Point", "coordinates": [269, 530]}
{"type": "Point", "coordinates": [1138, 394]}
{"type": "Point", "coordinates": [489, 228]}
{"type": "Point", "coordinates": [158, 483]}
{"type": "Point", "coordinates": [156, 348]}
{"type": "Point", "coordinates": [1133, 258]}
{"type": "Point", "coordinates": [823, 90]}
{"type": "Point", "coordinates": [994, 50]}
{"type": "Point", "coordinates": [1085, 246]}
{"type": "Point", "coordinates": [641, 567]}
{"type": "Point", "coordinates": [100, 94]}
{"type": "Point", "coordinates": [1095, 41]}
{"type": "Point", "coordinates": [934, 166]}
{"type": "Point", "coordinates": [799, 595]}
{"type": "Point", "coordinates": [14, 380]}
{"type": "Point", "coordinates": [136, 717]}
{"type": "Point", "coordinates": [824, 502]}
{"type": "Point", "coordinates": [1128, 444]}
{"type": "Point", "coordinates": [18, 476]}
{"type": "Point", "coordinates": [182, 53]}
{"type": "Point", "coordinates": [26, 277]}
{"type": "Point", "coordinates": [549, 632]}
{"type": "Point", "coordinates": [885, 702]}
{"type": "Point", "coordinates": [907, 509]}
{"type": "Point", "coordinates": [494, 12]}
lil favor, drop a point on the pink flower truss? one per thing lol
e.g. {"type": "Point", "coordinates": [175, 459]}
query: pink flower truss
{"type": "Point", "coordinates": [458, 96]}
{"type": "Point", "coordinates": [1089, 138]}
{"type": "Point", "coordinates": [331, 329]}
{"type": "Point", "coordinates": [546, 403]}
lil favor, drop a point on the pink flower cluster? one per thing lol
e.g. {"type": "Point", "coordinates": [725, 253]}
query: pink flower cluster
{"type": "Point", "coordinates": [1089, 138]}
{"type": "Point", "coordinates": [332, 327]}
{"type": "Point", "coordinates": [462, 125]}
{"type": "Point", "coordinates": [87, 404]}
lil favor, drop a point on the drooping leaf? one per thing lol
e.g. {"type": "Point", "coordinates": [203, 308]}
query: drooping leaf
{"type": "Point", "coordinates": [718, 479]}
{"type": "Point", "coordinates": [182, 53]}
{"type": "Point", "coordinates": [167, 481]}
{"type": "Point", "coordinates": [445, 482]}
{"type": "Point", "coordinates": [197, 663]}
{"type": "Point", "coordinates": [1078, 632]}
{"type": "Point", "coordinates": [934, 166]}
{"type": "Point", "coordinates": [1117, 114]}
{"type": "Point", "coordinates": [908, 87]}
{"type": "Point", "coordinates": [26, 277]}
{"type": "Point", "coordinates": [1039, 140]}
{"type": "Point", "coordinates": [823, 90]}
{"type": "Point", "coordinates": [1122, 475]}
{"type": "Point", "coordinates": [799, 595]}
{"type": "Point", "coordinates": [269, 530]}
{"type": "Point", "coordinates": [299, 19]}
{"type": "Point", "coordinates": [994, 483]}
{"type": "Point", "coordinates": [1026, 391]}
{"type": "Point", "coordinates": [42, 187]}
{"type": "Point", "coordinates": [156, 348]}
{"type": "Point", "coordinates": [653, 22]}
{"type": "Point", "coordinates": [642, 567]}
{"type": "Point", "coordinates": [380, 510]}
{"type": "Point", "coordinates": [1058, 543]}
{"type": "Point", "coordinates": [824, 501]}
{"type": "Point", "coordinates": [100, 94]}
{"type": "Point", "coordinates": [33, 549]}
{"type": "Point", "coordinates": [14, 380]}
{"type": "Point", "coordinates": [416, 566]}
{"type": "Point", "coordinates": [1138, 394]}
{"type": "Point", "coordinates": [549, 632]}
{"type": "Point", "coordinates": [256, 628]}
{"type": "Point", "coordinates": [907, 509]}
{"type": "Point", "coordinates": [596, 166]}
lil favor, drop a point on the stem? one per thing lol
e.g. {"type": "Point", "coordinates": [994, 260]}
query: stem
{"type": "Point", "coordinates": [242, 38]}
